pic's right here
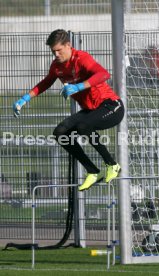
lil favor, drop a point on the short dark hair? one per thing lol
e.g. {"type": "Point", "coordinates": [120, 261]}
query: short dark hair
{"type": "Point", "coordinates": [58, 36]}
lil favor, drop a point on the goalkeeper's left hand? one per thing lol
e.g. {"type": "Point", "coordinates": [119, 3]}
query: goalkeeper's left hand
{"type": "Point", "coordinates": [70, 89]}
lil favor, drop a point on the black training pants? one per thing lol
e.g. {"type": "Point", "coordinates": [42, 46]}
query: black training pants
{"type": "Point", "coordinates": [87, 122]}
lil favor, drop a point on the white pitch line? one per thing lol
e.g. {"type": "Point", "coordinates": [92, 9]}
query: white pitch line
{"type": "Point", "coordinates": [75, 270]}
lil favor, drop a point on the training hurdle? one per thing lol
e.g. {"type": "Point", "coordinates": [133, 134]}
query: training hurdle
{"type": "Point", "coordinates": [111, 202]}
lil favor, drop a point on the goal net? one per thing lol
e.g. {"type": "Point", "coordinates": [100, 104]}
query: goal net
{"type": "Point", "coordinates": [142, 80]}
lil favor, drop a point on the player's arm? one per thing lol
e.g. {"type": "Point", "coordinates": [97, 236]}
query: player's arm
{"type": "Point", "coordinates": [97, 73]}
{"type": "Point", "coordinates": [37, 90]}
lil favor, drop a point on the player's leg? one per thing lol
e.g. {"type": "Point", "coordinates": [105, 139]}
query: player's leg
{"type": "Point", "coordinates": [66, 128]}
{"type": "Point", "coordinates": [109, 114]}
{"type": "Point", "coordinates": [112, 167]}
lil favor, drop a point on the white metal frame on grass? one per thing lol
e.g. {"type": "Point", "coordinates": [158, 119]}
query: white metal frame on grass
{"type": "Point", "coordinates": [110, 248]}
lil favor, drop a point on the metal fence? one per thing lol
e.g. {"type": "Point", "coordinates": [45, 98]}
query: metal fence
{"type": "Point", "coordinates": [85, 15]}
{"type": "Point", "coordinates": [70, 7]}
{"type": "Point", "coordinates": [29, 154]}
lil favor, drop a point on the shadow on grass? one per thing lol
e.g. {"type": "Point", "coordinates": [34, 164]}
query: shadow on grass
{"type": "Point", "coordinates": [61, 257]}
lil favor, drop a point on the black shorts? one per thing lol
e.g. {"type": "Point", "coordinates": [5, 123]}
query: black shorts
{"type": "Point", "coordinates": [107, 115]}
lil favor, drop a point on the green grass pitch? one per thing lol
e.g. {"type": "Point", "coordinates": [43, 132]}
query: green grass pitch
{"type": "Point", "coordinates": [70, 261]}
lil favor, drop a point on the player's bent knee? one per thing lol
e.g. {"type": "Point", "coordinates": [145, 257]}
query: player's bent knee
{"type": "Point", "coordinates": [59, 130]}
{"type": "Point", "coordinates": [82, 128]}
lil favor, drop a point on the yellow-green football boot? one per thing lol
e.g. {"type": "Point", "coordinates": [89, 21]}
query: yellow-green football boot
{"type": "Point", "coordinates": [91, 179]}
{"type": "Point", "coordinates": [112, 171]}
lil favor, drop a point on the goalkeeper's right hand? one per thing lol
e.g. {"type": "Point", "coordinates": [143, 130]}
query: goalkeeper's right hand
{"type": "Point", "coordinates": [18, 104]}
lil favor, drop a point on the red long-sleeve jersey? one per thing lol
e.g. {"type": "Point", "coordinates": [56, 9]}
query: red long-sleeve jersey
{"type": "Point", "coordinates": [79, 68]}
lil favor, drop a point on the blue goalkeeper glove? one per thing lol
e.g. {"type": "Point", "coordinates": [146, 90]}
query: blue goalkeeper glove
{"type": "Point", "coordinates": [18, 104]}
{"type": "Point", "coordinates": [70, 89]}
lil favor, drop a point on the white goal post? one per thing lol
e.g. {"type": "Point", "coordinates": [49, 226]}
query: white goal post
{"type": "Point", "coordinates": [136, 79]}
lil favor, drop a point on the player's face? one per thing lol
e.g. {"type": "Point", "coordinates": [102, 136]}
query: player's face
{"type": "Point", "coordinates": [62, 52]}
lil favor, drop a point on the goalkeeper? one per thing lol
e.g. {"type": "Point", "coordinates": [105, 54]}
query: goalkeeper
{"type": "Point", "coordinates": [101, 107]}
